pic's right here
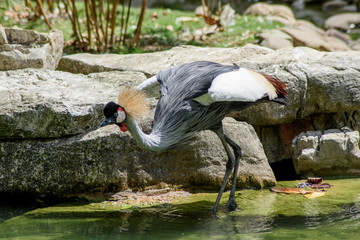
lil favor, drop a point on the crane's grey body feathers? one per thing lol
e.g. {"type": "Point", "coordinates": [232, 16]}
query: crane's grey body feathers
{"type": "Point", "coordinates": [178, 116]}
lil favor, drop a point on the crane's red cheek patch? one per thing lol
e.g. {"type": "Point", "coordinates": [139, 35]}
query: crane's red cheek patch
{"type": "Point", "coordinates": [123, 127]}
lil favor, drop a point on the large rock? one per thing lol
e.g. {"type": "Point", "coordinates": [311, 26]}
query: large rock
{"type": "Point", "coordinates": [108, 160]}
{"type": "Point", "coordinates": [249, 56]}
{"type": "Point", "coordinates": [275, 39]}
{"type": "Point", "coordinates": [330, 153]}
{"type": "Point", "coordinates": [306, 34]}
{"type": "Point", "coordinates": [151, 63]}
{"type": "Point", "coordinates": [49, 145]}
{"type": "Point", "coordinates": [343, 21]}
{"type": "Point", "coordinates": [52, 104]}
{"type": "Point", "coordinates": [275, 12]}
{"type": "Point", "coordinates": [20, 48]}
{"type": "Point", "coordinates": [339, 60]}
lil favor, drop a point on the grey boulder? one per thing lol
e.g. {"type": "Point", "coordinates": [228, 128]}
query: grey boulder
{"type": "Point", "coordinates": [39, 103]}
{"type": "Point", "coordinates": [333, 152]}
{"type": "Point", "coordinates": [20, 48]}
{"type": "Point", "coordinates": [106, 160]}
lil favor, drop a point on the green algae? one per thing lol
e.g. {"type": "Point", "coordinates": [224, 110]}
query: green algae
{"type": "Point", "coordinates": [270, 204]}
{"type": "Point", "coordinates": [261, 214]}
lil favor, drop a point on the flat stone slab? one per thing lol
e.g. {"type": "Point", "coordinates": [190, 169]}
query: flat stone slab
{"type": "Point", "coordinates": [151, 63]}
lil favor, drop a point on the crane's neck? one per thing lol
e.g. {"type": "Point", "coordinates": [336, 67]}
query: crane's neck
{"type": "Point", "coordinates": [149, 141]}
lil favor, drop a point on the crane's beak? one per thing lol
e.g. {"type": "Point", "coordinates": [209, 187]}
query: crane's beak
{"type": "Point", "coordinates": [107, 121]}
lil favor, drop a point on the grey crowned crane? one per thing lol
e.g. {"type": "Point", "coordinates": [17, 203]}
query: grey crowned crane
{"type": "Point", "coordinates": [194, 97]}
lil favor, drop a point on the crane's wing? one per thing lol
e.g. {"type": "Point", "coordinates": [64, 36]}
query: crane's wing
{"type": "Point", "coordinates": [179, 86]}
{"type": "Point", "coordinates": [150, 86]}
{"type": "Point", "coordinates": [242, 85]}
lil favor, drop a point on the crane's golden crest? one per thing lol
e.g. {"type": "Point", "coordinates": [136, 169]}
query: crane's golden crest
{"type": "Point", "coordinates": [134, 102]}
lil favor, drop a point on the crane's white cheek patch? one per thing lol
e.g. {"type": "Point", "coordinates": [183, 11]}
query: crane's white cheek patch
{"type": "Point", "coordinates": [121, 116]}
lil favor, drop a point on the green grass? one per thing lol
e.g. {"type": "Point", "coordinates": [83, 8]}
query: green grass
{"type": "Point", "coordinates": [155, 32]}
{"type": "Point", "coordinates": [354, 36]}
{"type": "Point", "coordinates": [244, 31]}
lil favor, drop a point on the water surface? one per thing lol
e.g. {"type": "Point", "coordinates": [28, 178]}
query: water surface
{"type": "Point", "coordinates": [262, 215]}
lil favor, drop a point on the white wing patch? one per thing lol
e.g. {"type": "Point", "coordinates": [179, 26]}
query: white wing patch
{"type": "Point", "coordinates": [243, 86]}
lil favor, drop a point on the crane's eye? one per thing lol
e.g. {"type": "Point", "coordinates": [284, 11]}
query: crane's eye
{"type": "Point", "coordinates": [115, 114]}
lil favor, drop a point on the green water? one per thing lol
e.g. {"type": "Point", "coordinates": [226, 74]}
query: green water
{"type": "Point", "coordinates": [262, 215]}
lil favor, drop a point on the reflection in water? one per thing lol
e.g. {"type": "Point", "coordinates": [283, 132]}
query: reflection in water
{"type": "Point", "coordinates": [311, 213]}
{"type": "Point", "coordinates": [12, 208]}
{"type": "Point", "coordinates": [159, 224]}
{"type": "Point", "coordinates": [7, 212]}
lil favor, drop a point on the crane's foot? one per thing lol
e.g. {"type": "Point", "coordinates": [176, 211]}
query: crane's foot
{"type": "Point", "coordinates": [214, 210]}
{"type": "Point", "coordinates": [231, 205]}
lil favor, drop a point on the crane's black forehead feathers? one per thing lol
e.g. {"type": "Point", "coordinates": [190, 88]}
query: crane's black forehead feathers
{"type": "Point", "coordinates": [110, 108]}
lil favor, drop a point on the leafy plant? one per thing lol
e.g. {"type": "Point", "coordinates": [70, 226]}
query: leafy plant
{"type": "Point", "coordinates": [100, 21]}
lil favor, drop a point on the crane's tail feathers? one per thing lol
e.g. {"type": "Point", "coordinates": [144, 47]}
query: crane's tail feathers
{"type": "Point", "coordinates": [134, 102]}
{"type": "Point", "coordinates": [279, 86]}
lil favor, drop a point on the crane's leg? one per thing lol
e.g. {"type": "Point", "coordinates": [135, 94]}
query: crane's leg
{"type": "Point", "coordinates": [229, 165]}
{"type": "Point", "coordinates": [231, 205]}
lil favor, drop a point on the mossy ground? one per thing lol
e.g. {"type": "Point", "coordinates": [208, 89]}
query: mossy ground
{"type": "Point", "coordinates": [261, 214]}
